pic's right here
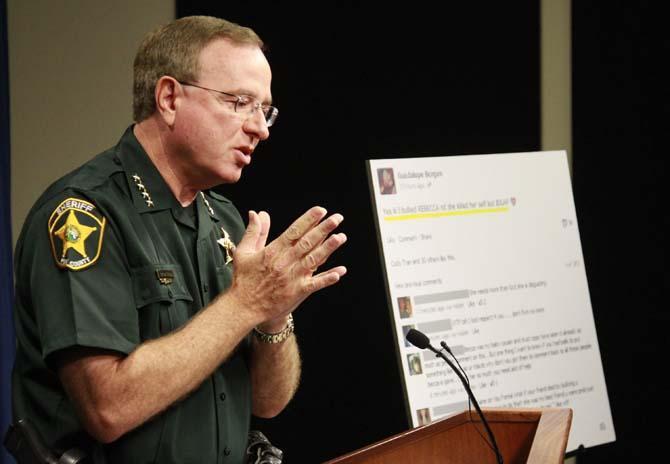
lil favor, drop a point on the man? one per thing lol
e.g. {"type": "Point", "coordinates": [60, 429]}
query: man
{"type": "Point", "coordinates": [124, 347]}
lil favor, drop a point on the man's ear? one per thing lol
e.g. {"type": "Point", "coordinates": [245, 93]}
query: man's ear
{"type": "Point", "coordinates": [166, 94]}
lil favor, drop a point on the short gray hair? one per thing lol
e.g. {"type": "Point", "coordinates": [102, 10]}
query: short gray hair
{"type": "Point", "coordinates": [173, 50]}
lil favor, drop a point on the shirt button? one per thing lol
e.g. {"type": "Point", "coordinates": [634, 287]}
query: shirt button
{"type": "Point", "coordinates": [222, 396]}
{"type": "Point", "coordinates": [205, 288]}
{"type": "Point", "coordinates": [226, 451]}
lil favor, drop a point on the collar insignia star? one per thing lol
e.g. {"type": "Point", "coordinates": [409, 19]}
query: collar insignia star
{"type": "Point", "coordinates": [209, 207]}
{"type": "Point", "coordinates": [143, 190]}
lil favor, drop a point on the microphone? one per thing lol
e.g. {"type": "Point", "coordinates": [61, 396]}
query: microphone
{"type": "Point", "coordinates": [418, 339]}
{"type": "Point", "coordinates": [444, 345]}
{"type": "Point", "coordinates": [421, 340]}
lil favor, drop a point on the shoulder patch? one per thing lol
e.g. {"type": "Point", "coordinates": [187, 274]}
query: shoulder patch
{"type": "Point", "coordinates": [76, 229]}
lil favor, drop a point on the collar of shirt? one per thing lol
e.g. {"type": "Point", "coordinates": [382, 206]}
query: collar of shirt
{"type": "Point", "coordinates": [149, 191]}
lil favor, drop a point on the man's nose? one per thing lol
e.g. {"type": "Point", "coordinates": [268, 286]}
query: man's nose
{"type": "Point", "coordinates": [257, 124]}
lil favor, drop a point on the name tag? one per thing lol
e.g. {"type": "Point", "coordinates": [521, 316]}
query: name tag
{"type": "Point", "coordinates": [165, 277]}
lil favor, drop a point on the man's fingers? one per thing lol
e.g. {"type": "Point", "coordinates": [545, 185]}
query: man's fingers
{"type": "Point", "coordinates": [326, 279]}
{"type": "Point", "coordinates": [301, 226]}
{"type": "Point", "coordinates": [303, 248]}
{"type": "Point", "coordinates": [264, 219]}
{"type": "Point", "coordinates": [317, 235]}
{"type": "Point", "coordinates": [311, 261]}
{"type": "Point", "coordinates": [253, 233]}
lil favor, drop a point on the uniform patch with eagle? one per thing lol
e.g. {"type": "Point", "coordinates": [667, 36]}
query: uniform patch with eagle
{"type": "Point", "coordinates": [76, 230]}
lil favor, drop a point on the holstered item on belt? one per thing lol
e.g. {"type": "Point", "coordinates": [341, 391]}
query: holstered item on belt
{"type": "Point", "coordinates": [25, 443]}
{"type": "Point", "coordinates": [261, 451]}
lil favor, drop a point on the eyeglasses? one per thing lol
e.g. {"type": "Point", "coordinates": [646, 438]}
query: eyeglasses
{"type": "Point", "coordinates": [245, 104]}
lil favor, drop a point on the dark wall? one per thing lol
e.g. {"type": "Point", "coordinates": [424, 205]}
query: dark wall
{"type": "Point", "coordinates": [353, 82]}
{"type": "Point", "coordinates": [620, 102]}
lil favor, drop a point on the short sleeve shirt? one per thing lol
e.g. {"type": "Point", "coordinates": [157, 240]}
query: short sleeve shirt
{"type": "Point", "coordinates": [109, 259]}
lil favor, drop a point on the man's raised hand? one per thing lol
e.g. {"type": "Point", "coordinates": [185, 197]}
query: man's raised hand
{"type": "Point", "coordinates": [271, 281]}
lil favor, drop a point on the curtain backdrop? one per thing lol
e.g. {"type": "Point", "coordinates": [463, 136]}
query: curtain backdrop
{"type": "Point", "coordinates": [7, 343]}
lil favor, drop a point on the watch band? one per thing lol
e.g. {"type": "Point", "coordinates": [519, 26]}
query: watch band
{"type": "Point", "coordinates": [276, 337]}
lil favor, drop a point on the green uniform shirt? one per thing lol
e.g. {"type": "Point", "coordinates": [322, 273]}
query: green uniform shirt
{"type": "Point", "coordinates": [108, 258]}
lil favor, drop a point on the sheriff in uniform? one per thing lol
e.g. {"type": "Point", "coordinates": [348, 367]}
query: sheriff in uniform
{"type": "Point", "coordinates": [144, 333]}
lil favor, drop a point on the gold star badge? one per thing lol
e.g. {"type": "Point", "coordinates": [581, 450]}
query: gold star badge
{"type": "Point", "coordinates": [74, 235]}
{"type": "Point", "coordinates": [80, 227]}
{"type": "Point", "coordinates": [227, 245]}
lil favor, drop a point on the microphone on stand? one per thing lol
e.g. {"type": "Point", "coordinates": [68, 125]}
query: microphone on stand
{"type": "Point", "coordinates": [444, 345]}
{"type": "Point", "coordinates": [420, 340]}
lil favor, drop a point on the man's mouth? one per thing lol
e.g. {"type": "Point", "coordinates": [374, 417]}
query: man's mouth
{"type": "Point", "coordinates": [245, 154]}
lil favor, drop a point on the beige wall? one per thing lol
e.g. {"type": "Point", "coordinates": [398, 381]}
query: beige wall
{"type": "Point", "coordinates": [556, 76]}
{"type": "Point", "coordinates": [556, 81]}
{"type": "Point", "coordinates": [70, 77]}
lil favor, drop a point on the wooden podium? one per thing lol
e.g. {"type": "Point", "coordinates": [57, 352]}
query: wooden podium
{"type": "Point", "coordinates": [533, 436]}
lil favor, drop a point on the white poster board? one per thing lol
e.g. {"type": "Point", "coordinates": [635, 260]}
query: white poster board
{"type": "Point", "coordinates": [483, 252]}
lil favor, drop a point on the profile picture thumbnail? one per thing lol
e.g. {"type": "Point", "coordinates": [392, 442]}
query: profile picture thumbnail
{"type": "Point", "coordinates": [414, 362]}
{"type": "Point", "coordinates": [423, 416]}
{"type": "Point", "coordinates": [386, 181]}
{"type": "Point", "coordinates": [405, 307]}
{"type": "Point", "coordinates": [405, 329]}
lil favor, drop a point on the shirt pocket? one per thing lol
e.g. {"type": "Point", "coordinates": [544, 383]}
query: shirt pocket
{"type": "Point", "coordinates": [162, 299]}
